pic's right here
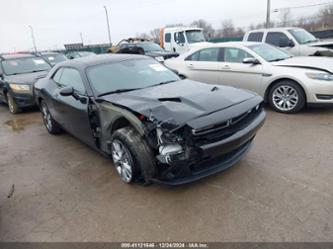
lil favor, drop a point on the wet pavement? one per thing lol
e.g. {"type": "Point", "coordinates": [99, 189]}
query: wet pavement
{"type": "Point", "coordinates": [54, 188]}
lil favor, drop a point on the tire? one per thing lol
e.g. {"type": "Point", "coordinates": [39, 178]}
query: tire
{"type": "Point", "coordinates": [286, 97]}
{"type": "Point", "coordinates": [138, 163]}
{"type": "Point", "coordinates": [12, 106]}
{"type": "Point", "coordinates": [50, 124]}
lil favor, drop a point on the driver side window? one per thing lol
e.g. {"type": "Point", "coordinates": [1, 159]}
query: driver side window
{"type": "Point", "coordinates": [235, 55]}
{"type": "Point", "coordinates": [70, 77]}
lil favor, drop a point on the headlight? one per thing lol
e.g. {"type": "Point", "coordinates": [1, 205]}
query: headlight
{"type": "Point", "coordinates": [320, 76]}
{"type": "Point", "coordinates": [159, 58]}
{"type": "Point", "coordinates": [18, 88]}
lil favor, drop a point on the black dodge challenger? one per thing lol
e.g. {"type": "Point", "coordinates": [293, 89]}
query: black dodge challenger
{"type": "Point", "coordinates": [155, 126]}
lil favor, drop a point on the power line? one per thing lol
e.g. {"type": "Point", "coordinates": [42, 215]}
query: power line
{"type": "Point", "coordinates": [304, 6]}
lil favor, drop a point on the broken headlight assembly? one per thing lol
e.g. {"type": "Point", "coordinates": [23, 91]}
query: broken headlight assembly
{"type": "Point", "coordinates": [169, 146]}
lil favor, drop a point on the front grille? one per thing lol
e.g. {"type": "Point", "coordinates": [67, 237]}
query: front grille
{"type": "Point", "coordinates": [226, 129]}
{"type": "Point", "coordinates": [209, 163]}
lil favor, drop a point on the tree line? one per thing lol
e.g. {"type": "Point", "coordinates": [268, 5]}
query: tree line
{"type": "Point", "coordinates": [321, 20]}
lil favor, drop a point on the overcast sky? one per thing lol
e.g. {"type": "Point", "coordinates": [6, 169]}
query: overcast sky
{"type": "Point", "coordinates": [57, 22]}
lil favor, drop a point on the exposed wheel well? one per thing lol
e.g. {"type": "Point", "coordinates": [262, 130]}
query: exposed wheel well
{"type": "Point", "coordinates": [5, 91]}
{"type": "Point", "coordinates": [39, 100]}
{"type": "Point", "coordinates": [278, 81]}
{"type": "Point", "coordinates": [120, 123]}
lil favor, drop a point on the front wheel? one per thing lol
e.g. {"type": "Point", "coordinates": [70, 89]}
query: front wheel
{"type": "Point", "coordinates": [50, 124]}
{"type": "Point", "coordinates": [131, 155]}
{"type": "Point", "coordinates": [13, 107]}
{"type": "Point", "coordinates": [287, 97]}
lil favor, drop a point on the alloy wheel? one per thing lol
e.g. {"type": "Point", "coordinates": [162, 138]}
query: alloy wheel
{"type": "Point", "coordinates": [285, 98]}
{"type": "Point", "coordinates": [122, 160]}
{"type": "Point", "coordinates": [46, 117]}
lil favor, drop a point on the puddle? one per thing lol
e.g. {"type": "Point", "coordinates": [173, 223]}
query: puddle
{"type": "Point", "coordinates": [19, 124]}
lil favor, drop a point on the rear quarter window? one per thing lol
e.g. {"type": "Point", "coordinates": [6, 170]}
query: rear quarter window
{"type": "Point", "coordinates": [255, 37]}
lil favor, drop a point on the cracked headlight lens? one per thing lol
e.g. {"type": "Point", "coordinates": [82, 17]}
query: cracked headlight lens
{"type": "Point", "coordinates": [320, 76]}
{"type": "Point", "coordinates": [21, 88]}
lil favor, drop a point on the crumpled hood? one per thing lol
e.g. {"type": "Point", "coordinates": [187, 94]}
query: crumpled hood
{"type": "Point", "coordinates": [27, 78]}
{"type": "Point", "coordinates": [180, 101]}
{"type": "Point", "coordinates": [310, 62]}
{"type": "Point", "coordinates": [324, 44]}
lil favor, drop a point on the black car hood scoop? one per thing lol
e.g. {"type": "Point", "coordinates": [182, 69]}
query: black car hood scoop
{"type": "Point", "coordinates": [180, 101]}
{"type": "Point", "coordinates": [170, 100]}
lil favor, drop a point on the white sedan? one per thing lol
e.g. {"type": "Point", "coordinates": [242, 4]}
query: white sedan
{"type": "Point", "coordinates": [287, 83]}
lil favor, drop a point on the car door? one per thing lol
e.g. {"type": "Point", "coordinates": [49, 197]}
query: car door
{"type": "Point", "coordinates": [180, 45]}
{"type": "Point", "coordinates": [73, 110]}
{"type": "Point", "coordinates": [204, 65]}
{"type": "Point", "coordinates": [238, 74]}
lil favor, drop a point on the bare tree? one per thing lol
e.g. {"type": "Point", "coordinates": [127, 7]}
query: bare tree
{"type": "Point", "coordinates": [285, 18]}
{"type": "Point", "coordinates": [208, 29]}
{"type": "Point", "coordinates": [325, 17]}
{"type": "Point", "coordinates": [155, 35]}
{"type": "Point", "coordinates": [143, 36]}
{"type": "Point", "coordinates": [227, 29]}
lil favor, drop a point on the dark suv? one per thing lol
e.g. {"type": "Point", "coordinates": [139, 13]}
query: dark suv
{"type": "Point", "coordinates": [18, 73]}
{"type": "Point", "coordinates": [147, 48]}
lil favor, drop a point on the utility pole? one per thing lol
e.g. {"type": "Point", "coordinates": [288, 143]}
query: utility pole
{"type": "Point", "coordinates": [33, 38]}
{"type": "Point", "coordinates": [268, 16]}
{"type": "Point", "coordinates": [108, 24]}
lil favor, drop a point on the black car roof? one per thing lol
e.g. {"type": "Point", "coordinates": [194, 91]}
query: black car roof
{"type": "Point", "coordinates": [84, 62]}
{"type": "Point", "coordinates": [16, 56]}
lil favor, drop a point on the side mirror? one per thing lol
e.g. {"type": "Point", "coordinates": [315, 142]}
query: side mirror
{"type": "Point", "coordinates": [1, 76]}
{"type": "Point", "coordinates": [67, 91]}
{"type": "Point", "coordinates": [285, 42]}
{"type": "Point", "coordinates": [252, 61]}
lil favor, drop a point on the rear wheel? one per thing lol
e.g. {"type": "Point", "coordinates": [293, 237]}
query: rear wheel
{"type": "Point", "coordinates": [131, 155]}
{"type": "Point", "coordinates": [13, 108]}
{"type": "Point", "coordinates": [287, 97]}
{"type": "Point", "coordinates": [51, 125]}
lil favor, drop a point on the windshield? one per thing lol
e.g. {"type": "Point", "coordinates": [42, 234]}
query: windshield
{"type": "Point", "coordinates": [194, 36]}
{"type": "Point", "coordinates": [269, 53]}
{"type": "Point", "coordinates": [302, 36]}
{"type": "Point", "coordinates": [129, 74]}
{"type": "Point", "coordinates": [55, 58]}
{"type": "Point", "coordinates": [150, 47]}
{"type": "Point", "coordinates": [24, 65]}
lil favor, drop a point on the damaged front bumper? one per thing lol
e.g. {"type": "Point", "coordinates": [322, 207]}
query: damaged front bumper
{"type": "Point", "coordinates": [214, 157]}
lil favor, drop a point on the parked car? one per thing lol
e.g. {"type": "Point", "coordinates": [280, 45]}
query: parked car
{"type": "Point", "coordinates": [297, 41]}
{"type": "Point", "coordinates": [116, 47]}
{"type": "Point", "coordinates": [155, 126]}
{"type": "Point", "coordinates": [53, 57]}
{"type": "Point", "coordinates": [18, 73]}
{"type": "Point", "coordinates": [181, 39]}
{"type": "Point", "coordinates": [79, 54]}
{"type": "Point", "coordinates": [287, 83]}
{"type": "Point", "coordinates": [146, 48]}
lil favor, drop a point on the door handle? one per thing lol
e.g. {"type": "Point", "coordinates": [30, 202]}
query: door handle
{"type": "Point", "coordinates": [227, 67]}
